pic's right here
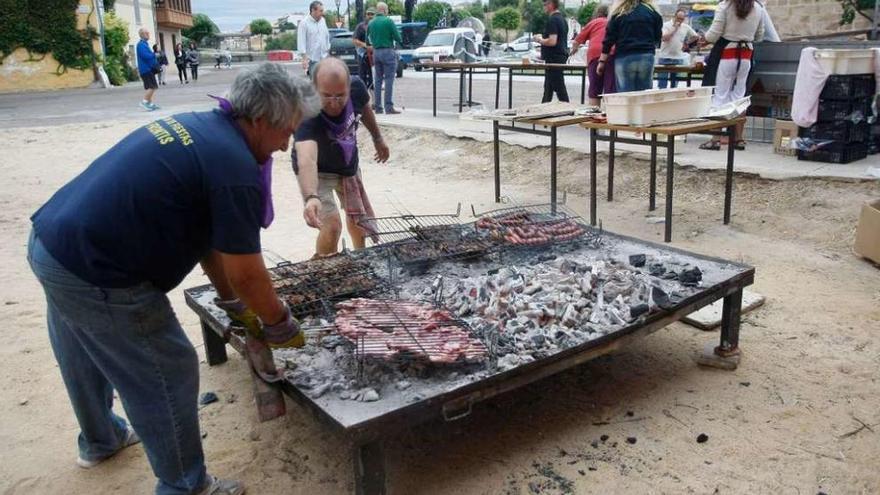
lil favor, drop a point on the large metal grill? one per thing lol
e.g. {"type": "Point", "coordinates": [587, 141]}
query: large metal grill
{"type": "Point", "coordinates": [396, 330]}
{"type": "Point", "coordinates": [410, 227]}
{"type": "Point", "coordinates": [311, 287]}
{"type": "Point", "coordinates": [535, 226]}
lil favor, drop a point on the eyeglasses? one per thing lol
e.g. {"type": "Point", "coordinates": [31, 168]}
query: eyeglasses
{"type": "Point", "coordinates": [334, 99]}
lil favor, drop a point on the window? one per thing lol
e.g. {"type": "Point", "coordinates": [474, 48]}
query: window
{"type": "Point", "coordinates": [137, 12]}
{"type": "Point", "coordinates": [162, 41]}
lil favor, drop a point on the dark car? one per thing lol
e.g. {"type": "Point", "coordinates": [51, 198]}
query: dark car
{"type": "Point", "coordinates": [342, 47]}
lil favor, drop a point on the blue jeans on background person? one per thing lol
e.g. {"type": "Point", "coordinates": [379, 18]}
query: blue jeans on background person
{"type": "Point", "coordinates": [128, 340]}
{"type": "Point", "coordinates": [634, 72]}
{"type": "Point", "coordinates": [385, 65]}
{"type": "Point", "coordinates": [666, 77]}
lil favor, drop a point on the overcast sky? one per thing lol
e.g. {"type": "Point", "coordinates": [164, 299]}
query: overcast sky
{"type": "Point", "coordinates": [233, 15]}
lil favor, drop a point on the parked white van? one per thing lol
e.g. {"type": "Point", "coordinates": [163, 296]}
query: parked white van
{"type": "Point", "coordinates": [447, 44]}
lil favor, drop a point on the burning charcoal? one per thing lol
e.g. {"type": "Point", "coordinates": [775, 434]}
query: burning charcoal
{"type": "Point", "coordinates": [631, 440]}
{"type": "Point", "coordinates": [637, 260]}
{"type": "Point", "coordinates": [637, 310]}
{"type": "Point", "coordinates": [570, 316]}
{"type": "Point", "coordinates": [320, 390]}
{"type": "Point", "coordinates": [702, 438]}
{"type": "Point", "coordinates": [345, 395]}
{"type": "Point", "coordinates": [538, 340]}
{"type": "Point", "coordinates": [546, 257]}
{"type": "Point", "coordinates": [690, 277]}
{"type": "Point", "coordinates": [656, 269]}
{"type": "Point", "coordinates": [660, 298]}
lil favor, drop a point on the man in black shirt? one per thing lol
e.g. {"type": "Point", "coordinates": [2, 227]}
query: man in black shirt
{"type": "Point", "coordinates": [325, 156]}
{"type": "Point", "coordinates": [365, 68]}
{"type": "Point", "coordinates": [554, 50]}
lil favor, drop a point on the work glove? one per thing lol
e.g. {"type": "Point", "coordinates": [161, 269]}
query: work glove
{"type": "Point", "coordinates": [241, 315]}
{"type": "Point", "coordinates": [285, 333]}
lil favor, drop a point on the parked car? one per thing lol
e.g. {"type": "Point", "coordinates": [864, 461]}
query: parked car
{"type": "Point", "coordinates": [447, 44]}
{"type": "Point", "coordinates": [521, 44]}
{"type": "Point", "coordinates": [413, 35]}
{"type": "Point", "coordinates": [342, 47]}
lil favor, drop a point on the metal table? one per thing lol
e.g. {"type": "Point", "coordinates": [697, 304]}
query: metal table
{"type": "Point", "coordinates": [688, 70]}
{"type": "Point", "coordinates": [371, 422]}
{"type": "Point", "coordinates": [513, 68]}
{"type": "Point", "coordinates": [710, 127]}
{"type": "Point", "coordinates": [529, 126]}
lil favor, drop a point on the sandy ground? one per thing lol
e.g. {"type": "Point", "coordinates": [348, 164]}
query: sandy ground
{"type": "Point", "coordinates": [801, 415]}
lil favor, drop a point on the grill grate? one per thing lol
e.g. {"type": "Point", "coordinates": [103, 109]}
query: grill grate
{"type": "Point", "coordinates": [535, 226]}
{"type": "Point", "coordinates": [311, 287]}
{"type": "Point", "coordinates": [395, 330]}
{"type": "Point", "coordinates": [418, 227]}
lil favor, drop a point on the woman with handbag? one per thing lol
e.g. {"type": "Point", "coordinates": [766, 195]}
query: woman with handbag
{"type": "Point", "coordinates": [192, 59]}
{"type": "Point", "coordinates": [180, 62]}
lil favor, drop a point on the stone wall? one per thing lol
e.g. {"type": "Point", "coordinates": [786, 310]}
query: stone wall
{"type": "Point", "coordinates": [794, 18]}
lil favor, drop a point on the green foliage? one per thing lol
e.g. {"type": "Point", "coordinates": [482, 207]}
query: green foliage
{"type": "Point", "coordinates": [395, 7]}
{"type": "Point", "coordinates": [47, 26]}
{"type": "Point", "coordinates": [286, 26]}
{"type": "Point", "coordinates": [851, 8]}
{"type": "Point", "coordinates": [261, 26]}
{"type": "Point", "coordinates": [507, 19]}
{"type": "Point", "coordinates": [533, 12]}
{"type": "Point", "coordinates": [496, 5]}
{"type": "Point", "coordinates": [203, 27]}
{"type": "Point", "coordinates": [431, 12]}
{"type": "Point", "coordinates": [108, 5]}
{"type": "Point", "coordinates": [585, 13]}
{"type": "Point", "coordinates": [475, 10]}
{"type": "Point", "coordinates": [330, 17]}
{"type": "Point", "coordinates": [284, 41]}
{"type": "Point", "coordinates": [115, 44]}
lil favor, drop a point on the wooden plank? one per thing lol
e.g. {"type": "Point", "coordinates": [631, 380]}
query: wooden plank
{"type": "Point", "coordinates": [669, 129]}
{"type": "Point", "coordinates": [560, 121]}
{"type": "Point", "coordinates": [679, 68]}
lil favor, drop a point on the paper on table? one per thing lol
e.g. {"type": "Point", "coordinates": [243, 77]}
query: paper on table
{"type": "Point", "coordinates": [730, 110]}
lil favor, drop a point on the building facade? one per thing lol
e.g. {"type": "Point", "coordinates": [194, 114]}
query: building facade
{"type": "Point", "coordinates": [171, 17]}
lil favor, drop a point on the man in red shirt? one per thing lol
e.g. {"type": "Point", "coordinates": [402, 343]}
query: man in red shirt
{"type": "Point", "coordinates": [593, 34]}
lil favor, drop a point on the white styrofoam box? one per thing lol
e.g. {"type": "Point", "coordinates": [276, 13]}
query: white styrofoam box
{"type": "Point", "coordinates": [657, 105]}
{"type": "Point", "coordinates": [846, 61]}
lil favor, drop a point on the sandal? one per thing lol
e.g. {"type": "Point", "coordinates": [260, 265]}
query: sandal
{"type": "Point", "coordinates": [740, 145]}
{"type": "Point", "coordinates": [710, 145]}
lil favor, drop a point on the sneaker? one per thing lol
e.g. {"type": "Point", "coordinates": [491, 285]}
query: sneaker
{"type": "Point", "coordinates": [393, 111]}
{"type": "Point", "coordinates": [154, 106]}
{"type": "Point", "coordinates": [378, 110]}
{"type": "Point", "coordinates": [216, 486]}
{"type": "Point", "coordinates": [131, 438]}
{"type": "Point", "coordinates": [146, 106]}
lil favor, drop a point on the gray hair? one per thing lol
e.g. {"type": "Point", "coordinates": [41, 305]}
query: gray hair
{"type": "Point", "coordinates": [331, 63]}
{"type": "Point", "coordinates": [270, 92]}
{"type": "Point", "coordinates": [382, 7]}
{"type": "Point", "coordinates": [142, 32]}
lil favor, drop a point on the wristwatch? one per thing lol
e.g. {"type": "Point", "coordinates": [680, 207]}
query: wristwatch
{"type": "Point", "coordinates": [311, 196]}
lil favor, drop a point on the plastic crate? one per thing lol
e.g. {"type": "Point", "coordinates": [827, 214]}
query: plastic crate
{"type": "Point", "coordinates": [834, 110]}
{"type": "Point", "coordinates": [874, 147]}
{"type": "Point", "coordinates": [657, 105]}
{"type": "Point", "coordinates": [859, 61]}
{"type": "Point", "coordinates": [841, 131]}
{"type": "Point", "coordinates": [835, 153]}
{"type": "Point", "coordinates": [849, 87]}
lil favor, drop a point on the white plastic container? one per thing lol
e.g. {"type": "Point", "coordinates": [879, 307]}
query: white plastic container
{"type": "Point", "coordinates": [846, 61]}
{"type": "Point", "coordinates": [657, 105]}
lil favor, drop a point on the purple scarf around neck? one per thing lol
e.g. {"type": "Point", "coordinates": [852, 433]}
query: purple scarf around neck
{"type": "Point", "coordinates": [344, 133]}
{"type": "Point", "coordinates": [265, 169]}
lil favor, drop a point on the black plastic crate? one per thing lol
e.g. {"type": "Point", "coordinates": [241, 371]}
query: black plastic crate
{"type": "Point", "coordinates": [834, 110]}
{"type": "Point", "coordinates": [835, 153]}
{"type": "Point", "coordinates": [874, 147]}
{"type": "Point", "coordinates": [847, 87]}
{"type": "Point", "coordinates": [842, 131]}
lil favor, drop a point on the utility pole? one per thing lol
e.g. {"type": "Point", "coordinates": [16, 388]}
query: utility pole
{"type": "Point", "coordinates": [876, 22]}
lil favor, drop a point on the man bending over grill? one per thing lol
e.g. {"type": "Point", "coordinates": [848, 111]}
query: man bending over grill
{"type": "Point", "coordinates": [325, 157]}
{"type": "Point", "coordinates": [110, 244]}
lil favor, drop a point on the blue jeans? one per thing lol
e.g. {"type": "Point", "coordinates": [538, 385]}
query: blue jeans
{"type": "Point", "coordinates": [665, 77]}
{"type": "Point", "coordinates": [385, 64]}
{"type": "Point", "coordinates": [128, 340]}
{"type": "Point", "coordinates": [634, 72]}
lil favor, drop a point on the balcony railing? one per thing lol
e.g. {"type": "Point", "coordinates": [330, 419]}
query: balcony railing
{"type": "Point", "coordinates": [174, 13]}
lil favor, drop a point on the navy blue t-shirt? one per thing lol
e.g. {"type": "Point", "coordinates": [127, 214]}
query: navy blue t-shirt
{"type": "Point", "coordinates": [152, 206]}
{"type": "Point", "coordinates": [330, 159]}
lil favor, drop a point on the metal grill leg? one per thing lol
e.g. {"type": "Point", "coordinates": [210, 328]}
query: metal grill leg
{"type": "Point", "coordinates": [593, 177]}
{"type": "Point", "coordinates": [215, 345]}
{"type": "Point", "coordinates": [670, 171]}
{"type": "Point", "coordinates": [728, 183]}
{"type": "Point", "coordinates": [497, 86]}
{"type": "Point", "coordinates": [730, 320]}
{"type": "Point", "coordinates": [434, 80]}
{"type": "Point", "coordinates": [611, 165]}
{"type": "Point", "coordinates": [553, 171]}
{"type": "Point", "coordinates": [509, 88]}
{"type": "Point", "coordinates": [652, 195]}
{"type": "Point", "coordinates": [497, 161]}
{"type": "Point", "coordinates": [369, 469]}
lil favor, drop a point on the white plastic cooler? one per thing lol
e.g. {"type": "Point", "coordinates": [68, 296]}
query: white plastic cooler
{"type": "Point", "coordinates": [657, 105]}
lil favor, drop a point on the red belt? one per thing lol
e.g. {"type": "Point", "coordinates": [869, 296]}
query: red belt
{"type": "Point", "coordinates": [731, 53]}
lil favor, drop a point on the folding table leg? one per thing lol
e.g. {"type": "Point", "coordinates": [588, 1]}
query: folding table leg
{"type": "Point", "coordinates": [730, 321]}
{"type": "Point", "coordinates": [497, 85]}
{"type": "Point", "coordinates": [215, 345]}
{"type": "Point", "coordinates": [583, 86]}
{"type": "Point", "coordinates": [728, 183]}
{"type": "Point", "coordinates": [670, 168]}
{"type": "Point", "coordinates": [553, 170]}
{"type": "Point", "coordinates": [652, 195]}
{"type": "Point", "coordinates": [509, 88]}
{"type": "Point", "coordinates": [611, 165]}
{"type": "Point", "coordinates": [495, 147]}
{"type": "Point", "coordinates": [460, 89]}
{"type": "Point", "coordinates": [369, 469]}
{"type": "Point", "coordinates": [434, 93]}
{"type": "Point", "coordinates": [470, 100]}
{"type": "Point", "coordinates": [593, 177]}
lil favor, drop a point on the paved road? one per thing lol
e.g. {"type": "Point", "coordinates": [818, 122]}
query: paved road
{"type": "Point", "coordinates": [121, 103]}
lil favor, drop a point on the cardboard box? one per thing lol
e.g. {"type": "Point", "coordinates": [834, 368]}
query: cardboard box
{"type": "Point", "coordinates": [784, 131]}
{"type": "Point", "coordinates": [868, 232]}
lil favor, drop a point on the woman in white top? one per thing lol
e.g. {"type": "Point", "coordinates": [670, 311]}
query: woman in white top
{"type": "Point", "coordinates": [740, 22]}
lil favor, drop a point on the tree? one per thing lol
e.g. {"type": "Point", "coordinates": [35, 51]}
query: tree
{"type": "Point", "coordinates": [536, 19]}
{"type": "Point", "coordinates": [507, 19]}
{"type": "Point", "coordinates": [284, 41]}
{"type": "Point", "coordinates": [203, 27]}
{"type": "Point", "coordinates": [585, 13]}
{"type": "Point", "coordinates": [431, 12]}
{"type": "Point", "coordinates": [261, 27]}
{"type": "Point", "coordinates": [496, 5]}
{"type": "Point", "coordinates": [851, 8]}
{"type": "Point", "coordinates": [286, 26]}
{"type": "Point", "coordinates": [395, 7]}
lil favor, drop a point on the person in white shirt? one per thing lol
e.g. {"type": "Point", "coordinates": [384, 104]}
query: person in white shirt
{"type": "Point", "coordinates": [675, 34]}
{"type": "Point", "coordinates": [313, 38]}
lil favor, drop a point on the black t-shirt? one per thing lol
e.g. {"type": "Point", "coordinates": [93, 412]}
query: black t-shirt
{"type": "Point", "coordinates": [330, 158]}
{"type": "Point", "coordinates": [152, 206]}
{"type": "Point", "coordinates": [556, 25]}
{"type": "Point", "coordinates": [360, 32]}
